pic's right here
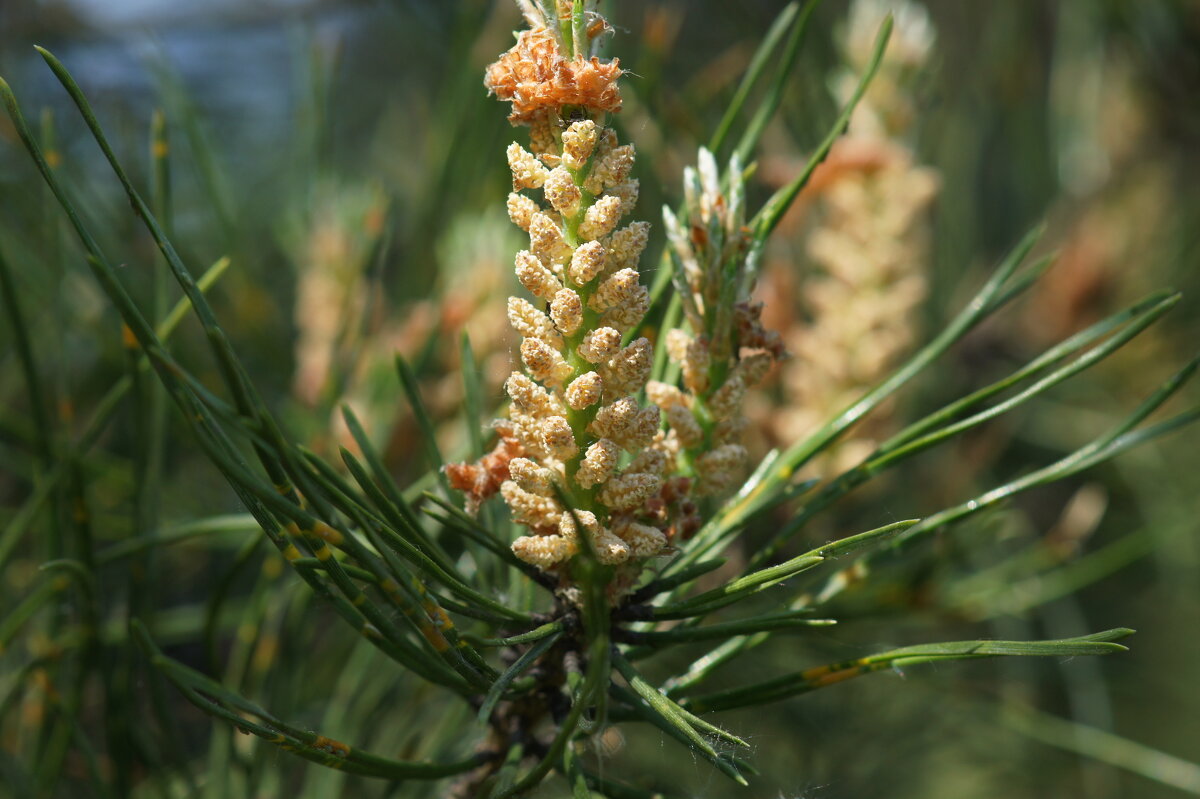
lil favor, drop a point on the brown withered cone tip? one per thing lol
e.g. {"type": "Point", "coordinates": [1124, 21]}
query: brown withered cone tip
{"type": "Point", "coordinates": [534, 77]}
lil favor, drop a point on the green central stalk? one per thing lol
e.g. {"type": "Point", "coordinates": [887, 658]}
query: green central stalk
{"type": "Point", "coordinates": [579, 420]}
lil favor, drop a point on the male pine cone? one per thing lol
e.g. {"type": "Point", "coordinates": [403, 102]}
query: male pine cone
{"type": "Point", "coordinates": [573, 410]}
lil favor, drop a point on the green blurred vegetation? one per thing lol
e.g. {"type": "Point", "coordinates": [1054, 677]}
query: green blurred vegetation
{"type": "Point", "coordinates": [359, 135]}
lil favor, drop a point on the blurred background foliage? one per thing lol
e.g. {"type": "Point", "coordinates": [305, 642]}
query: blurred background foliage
{"type": "Point", "coordinates": [345, 159]}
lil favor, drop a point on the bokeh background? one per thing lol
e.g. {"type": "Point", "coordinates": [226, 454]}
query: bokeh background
{"type": "Point", "coordinates": [345, 158]}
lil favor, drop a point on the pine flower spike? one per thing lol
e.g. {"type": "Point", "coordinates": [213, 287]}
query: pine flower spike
{"type": "Point", "coordinates": [869, 241]}
{"type": "Point", "coordinates": [714, 270]}
{"type": "Point", "coordinates": [573, 416]}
